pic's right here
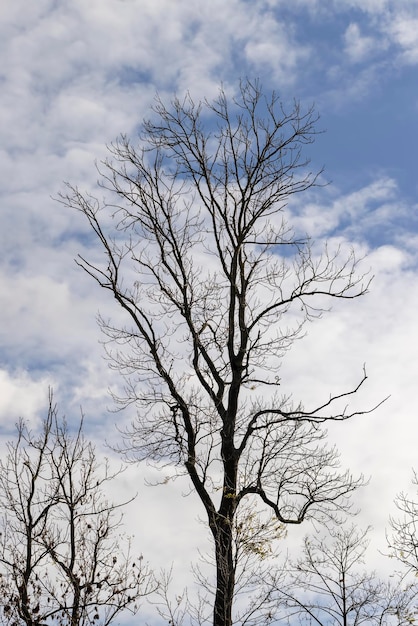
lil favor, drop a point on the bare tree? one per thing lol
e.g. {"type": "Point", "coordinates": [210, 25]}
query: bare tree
{"type": "Point", "coordinates": [216, 287]}
{"type": "Point", "coordinates": [329, 584]}
{"type": "Point", "coordinates": [63, 559]}
{"type": "Point", "coordinates": [403, 542]}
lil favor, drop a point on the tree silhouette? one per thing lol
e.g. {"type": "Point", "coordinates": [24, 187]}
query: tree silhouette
{"type": "Point", "coordinates": [216, 287]}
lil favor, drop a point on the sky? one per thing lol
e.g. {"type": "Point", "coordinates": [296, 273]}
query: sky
{"type": "Point", "coordinates": [76, 74]}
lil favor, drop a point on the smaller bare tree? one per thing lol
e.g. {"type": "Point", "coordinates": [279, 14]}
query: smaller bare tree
{"type": "Point", "coordinates": [330, 585]}
{"type": "Point", "coordinates": [403, 541]}
{"type": "Point", "coordinates": [63, 559]}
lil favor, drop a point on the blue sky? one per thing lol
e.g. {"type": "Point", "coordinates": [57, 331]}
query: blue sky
{"type": "Point", "coordinates": [75, 74]}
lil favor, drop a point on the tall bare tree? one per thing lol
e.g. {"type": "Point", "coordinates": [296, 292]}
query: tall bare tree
{"type": "Point", "coordinates": [63, 559]}
{"type": "Point", "coordinates": [216, 287]}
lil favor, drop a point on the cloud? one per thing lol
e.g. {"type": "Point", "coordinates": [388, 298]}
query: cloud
{"type": "Point", "coordinates": [354, 215]}
{"type": "Point", "coordinates": [375, 330]}
{"type": "Point", "coordinates": [394, 25]}
{"type": "Point", "coordinates": [21, 396]}
{"type": "Point", "coordinates": [357, 46]}
{"type": "Point", "coordinates": [274, 47]}
{"type": "Point", "coordinates": [403, 31]}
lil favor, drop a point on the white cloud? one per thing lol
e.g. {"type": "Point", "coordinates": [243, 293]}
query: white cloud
{"type": "Point", "coordinates": [21, 396]}
{"type": "Point", "coordinates": [274, 47]}
{"type": "Point", "coordinates": [403, 29]}
{"type": "Point", "coordinates": [358, 47]}
{"type": "Point", "coordinates": [379, 330]}
{"type": "Point", "coordinates": [394, 24]}
{"type": "Point", "coordinates": [354, 213]}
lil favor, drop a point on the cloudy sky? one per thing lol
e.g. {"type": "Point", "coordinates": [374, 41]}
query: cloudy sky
{"type": "Point", "coordinates": [75, 74]}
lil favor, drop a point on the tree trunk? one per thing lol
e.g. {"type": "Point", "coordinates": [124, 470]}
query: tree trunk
{"type": "Point", "coordinates": [225, 572]}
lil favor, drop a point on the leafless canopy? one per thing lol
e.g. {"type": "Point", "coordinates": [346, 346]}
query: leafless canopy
{"type": "Point", "coordinates": [216, 287]}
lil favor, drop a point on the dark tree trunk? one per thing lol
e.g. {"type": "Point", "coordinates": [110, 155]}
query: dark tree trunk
{"type": "Point", "coordinates": [222, 528]}
{"type": "Point", "coordinates": [225, 572]}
